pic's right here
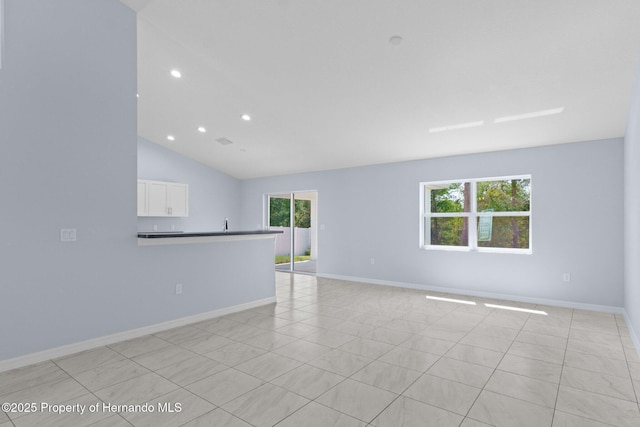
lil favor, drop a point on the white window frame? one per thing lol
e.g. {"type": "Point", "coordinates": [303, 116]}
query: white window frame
{"type": "Point", "coordinates": [472, 215]}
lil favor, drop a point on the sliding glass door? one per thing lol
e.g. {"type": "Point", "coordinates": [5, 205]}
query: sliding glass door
{"type": "Point", "coordinates": [295, 215]}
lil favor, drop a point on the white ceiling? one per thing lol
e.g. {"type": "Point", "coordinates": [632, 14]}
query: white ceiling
{"type": "Point", "coordinates": [326, 89]}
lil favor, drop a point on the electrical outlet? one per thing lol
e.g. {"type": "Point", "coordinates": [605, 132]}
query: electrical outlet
{"type": "Point", "coordinates": [178, 288]}
{"type": "Point", "coordinates": [566, 277]}
{"type": "Point", "coordinates": [67, 234]}
{"type": "Point", "coordinates": [173, 227]}
{"type": "Point", "coordinates": [155, 228]}
{"type": "Point", "coordinates": [373, 261]}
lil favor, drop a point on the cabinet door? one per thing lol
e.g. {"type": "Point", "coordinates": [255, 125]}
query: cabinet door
{"type": "Point", "coordinates": [142, 199]}
{"type": "Point", "coordinates": [178, 196]}
{"type": "Point", "coordinates": [157, 200]}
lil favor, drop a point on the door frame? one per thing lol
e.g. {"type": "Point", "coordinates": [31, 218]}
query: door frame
{"type": "Point", "coordinates": [266, 221]}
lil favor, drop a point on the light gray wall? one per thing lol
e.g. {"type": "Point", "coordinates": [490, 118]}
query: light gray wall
{"type": "Point", "coordinates": [68, 149]}
{"type": "Point", "coordinates": [632, 211]}
{"type": "Point", "coordinates": [213, 195]}
{"type": "Point", "coordinates": [373, 212]}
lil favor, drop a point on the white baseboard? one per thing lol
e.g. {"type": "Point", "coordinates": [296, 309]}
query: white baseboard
{"type": "Point", "coordinates": [66, 350]}
{"type": "Point", "coordinates": [53, 353]}
{"type": "Point", "coordinates": [550, 302]}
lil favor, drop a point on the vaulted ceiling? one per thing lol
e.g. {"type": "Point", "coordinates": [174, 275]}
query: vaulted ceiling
{"type": "Point", "coordinates": [338, 83]}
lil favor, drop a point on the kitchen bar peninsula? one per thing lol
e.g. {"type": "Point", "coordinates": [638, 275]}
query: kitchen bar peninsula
{"type": "Point", "coordinates": [202, 275]}
{"type": "Point", "coordinates": [170, 238]}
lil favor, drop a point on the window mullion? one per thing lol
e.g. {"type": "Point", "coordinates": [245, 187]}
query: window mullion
{"type": "Point", "coordinates": [426, 220]}
{"type": "Point", "coordinates": [473, 222]}
{"type": "Point", "coordinates": [503, 214]}
{"type": "Point", "coordinates": [448, 214]}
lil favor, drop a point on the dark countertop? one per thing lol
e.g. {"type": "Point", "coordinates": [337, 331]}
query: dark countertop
{"type": "Point", "coordinates": [171, 234]}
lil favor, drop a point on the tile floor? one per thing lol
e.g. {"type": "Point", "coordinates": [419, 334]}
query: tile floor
{"type": "Point", "coordinates": [333, 353]}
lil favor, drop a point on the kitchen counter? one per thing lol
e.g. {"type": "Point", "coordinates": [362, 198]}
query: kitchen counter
{"type": "Point", "coordinates": [178, 237]}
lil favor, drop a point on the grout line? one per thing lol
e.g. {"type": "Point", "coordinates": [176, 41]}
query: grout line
{"type": "Point", "coordinates": [566, 348]}
{"type": "Point", "coordinates": [633, 386]}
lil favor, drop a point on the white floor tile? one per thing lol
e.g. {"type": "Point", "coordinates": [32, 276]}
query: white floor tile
{"type": "Point", "coordinates": [347, 354]}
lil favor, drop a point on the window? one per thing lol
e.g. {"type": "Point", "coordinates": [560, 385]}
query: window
{"type": "Point", "coordinates": [486, 215]}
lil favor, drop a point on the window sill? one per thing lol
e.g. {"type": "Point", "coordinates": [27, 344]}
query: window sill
{"type": "Point", "coordinates": [479, 250]}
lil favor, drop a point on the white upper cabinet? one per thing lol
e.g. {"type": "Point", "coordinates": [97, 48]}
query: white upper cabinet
{"type": "Point", "coordinates": [163, 198]}
{"type": "Point", "coordinates": [143, 208]}
{"type": "Point", "coordinates": [178, 199]}
{"type": "Point", "coordinates": [157, 199]}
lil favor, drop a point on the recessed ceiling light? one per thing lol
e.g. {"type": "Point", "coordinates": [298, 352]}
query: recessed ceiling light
{"type": "Point", "coordinates": [224, 141]}
{"type": "Point", "coordinates": [454, 127]}
{"type": "Point", "coordinates": [201, 129]}
{"type": "Point", "coordinates": [171, 137]}
{"type": "Point", "coordinates": [395, 40]}
{"type": "Point", "coordinates": [246, 117]}
{"type": "Point", "coordinates": [137, 95]}
{"type": "Point", "coordinates": [529, 115]}
{"type": "Point", "coordinates": [175, 73]}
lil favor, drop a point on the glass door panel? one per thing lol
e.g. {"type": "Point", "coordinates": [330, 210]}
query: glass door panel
{"type": "Point", "coordinates": [280, 219]}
